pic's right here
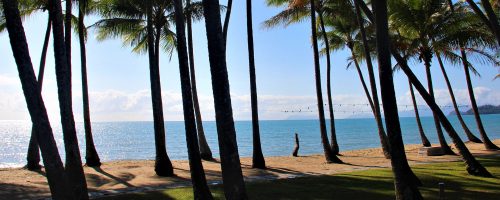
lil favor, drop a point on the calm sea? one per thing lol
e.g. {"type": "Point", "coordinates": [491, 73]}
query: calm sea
{"type": "Point", "coordinates": [135, 140]}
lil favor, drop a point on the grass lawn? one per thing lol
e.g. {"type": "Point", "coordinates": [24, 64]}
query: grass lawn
{"type": "Point", "coordinates": [368, 184]}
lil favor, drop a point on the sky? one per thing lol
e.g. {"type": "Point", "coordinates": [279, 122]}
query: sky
{"type": "Point", "coordinates": [120, 89]}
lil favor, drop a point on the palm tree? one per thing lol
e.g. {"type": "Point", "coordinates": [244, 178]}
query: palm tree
{"type": "Point", "coordinates": [406, 183]}
{"type": "Point", "coordinates": [329, 154]}
{"type": "Point", "coordinates": [91, 156]}
{"type": "Point", "coordinates": [200, 187]}
{"type": "Point", "coordinates": [423, 137]}
{"type": "Point", "coordinates": [36, 107]}
{"type": "Point", "coordinates": [473, 167]}
{"type": "Point", "coordinates": [258, 158]}
{"type": "Point", "coordinates": [373, 85]}
{"type": "Point", "coordinates": [73, 168]}
{"type": "Point", "coordinates": [421, 21]}
{"type": "Point", "coordinates": [296, 11]}
{"type": "Point", "coordinates": [234, 186]}
{"type": "Point", "coordinates": [205, 152]}
{"type": "Point", "coordinates": [28, 8]}
{"type": "Point", "coordinates": [145, 33]}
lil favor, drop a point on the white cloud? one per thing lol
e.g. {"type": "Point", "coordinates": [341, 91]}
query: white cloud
{"type": "Point", "coordinates": [113, 105]}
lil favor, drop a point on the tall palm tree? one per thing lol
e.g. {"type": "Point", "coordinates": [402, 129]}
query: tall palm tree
{"type": "Point", "coordinates": [258, 158]}
{"type": "Point", "coordinates": [145, 33]}
{"type": "Point", "coordinates": [200, 187]}
{"type": "Point", "coordinates": [376, 105]}
{"type": "Point", "coordinates": [91, 156]}
{"type": "Point", "coordinates": [73, 168]}
{"type": "Point", "coordinates": [329, 154]}
{"type": "Point", "coordinates": [56, 176]}
{"type": "Point", "coordinates": [205, 152]}
{"type": "Point", "coordinates": [473, 167]}
{"type": "Point", "coordinates": [27, 8]}
{"type": "Point", "coordinates": [421, 21]}
{"type": "Point", "coordinates": [296, 11]}
{"type": "Point", "coordinates": [406, 183]}
{"type": "Point", "coordinates": [232, 177]}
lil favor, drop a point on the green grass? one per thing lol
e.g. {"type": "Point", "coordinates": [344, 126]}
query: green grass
{"type": "Point", "coordinates": [368, 184]}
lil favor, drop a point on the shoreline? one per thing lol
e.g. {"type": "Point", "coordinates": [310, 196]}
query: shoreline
{"type": "Point", "coordinates": [131, 176]}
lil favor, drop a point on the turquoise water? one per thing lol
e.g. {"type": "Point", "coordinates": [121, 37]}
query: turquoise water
{"type": "Point", "coordinates": [135, 140]}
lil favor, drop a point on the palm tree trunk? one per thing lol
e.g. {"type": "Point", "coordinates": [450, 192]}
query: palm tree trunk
{"type": "Point", "coordinates": [33, 155]}
{"type": "Point", "coordinates": [489, 22]}
{"type": "Point", "coordinates": [333, 133]}
{"type": "Point", "coordinates": [200, 187]}
{"type": "Point", "coordinates": [329, 155]}
{"type": "Point", "coordinates": [425, 141]}
{"type": "Point", "coordinates": [205, 152]}
{"type": "Point", "coordinates": [67, 30]}
{"type": "Point", "coordinates": [406, 183]}
{"type": "Point", "coordinates": [467, 131]}
{"type": "Point", "coordinates": [258, 160]}
{"type": "Point", "coordinates": [377, 113]}
{"type": "Point", "coordinates": [486, 141]}
{"type": "Point", "coordinates": [53, 165]}
{"type": "Point", "coordinates": [381, 133]}
{"type": "Point", "coordinates": [492, 17]}
{"type": "Point", "coordinates": [73, 168]}
{"type": "Point", "coordinates": [91, 156]}
{"type": "Point", "coordinates": [232, 177]}
{"type": "Point", "coordinates": [473, 167]}
{"type": "Point", "coordinates": [442, 141]}
{"type": "Point", "coordinates": [163, 166]}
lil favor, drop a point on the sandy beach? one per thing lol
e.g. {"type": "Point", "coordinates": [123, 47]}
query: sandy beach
{"type": "Point", "coordinates": [138, 175]}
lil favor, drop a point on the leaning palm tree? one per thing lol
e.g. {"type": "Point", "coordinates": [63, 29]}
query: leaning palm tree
{"type": "Point", "coordinates": [422, 21]}
{"type": "Point", "coordinates": [258, 158]}
{"type": "Point", "coordinates": [26, 9]}
{"type": "Point", "coordinates": [205, 152]}
{"type": "Point", "coordinates": [56, 176]}
{"type": "Point", "coordinates": [145, 33]}
{"type": "Point", "coordinates": [406, 183]}
{"type": "Point", "coordinates": [488, 16]}
{"type": "Point", "coordinates": [232, 177]}
{"type": "Point", "coordinates": [200, 187]}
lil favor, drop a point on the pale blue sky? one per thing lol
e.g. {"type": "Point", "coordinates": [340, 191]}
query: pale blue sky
{"type": "Point", "coordinates": [119, 79]}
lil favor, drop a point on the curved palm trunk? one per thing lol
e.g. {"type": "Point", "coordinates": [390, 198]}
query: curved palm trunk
{"type": "Point", "coordinates": [91, 157]}
{"type": "Point", "coordinates": [257, 158]}
{"type": "Point", "coordinates": [200, 187]}
{"type": "Point", "coordinates": [425, 141]}
{"type": "Point", "coordinates": [486, 141]}
{"type": "Point", "coordinates": [33, 155]}
{"type": "Point", "coordinates": [163, 166]}
{"type": "Point", "coordinates": [73, 167]}
{"type": "Point", "coordinates": [467, 131]}
{"type": "Point", "coordinates": [333, 134]}
{"type": "Point", "coordinates": [405, 181]}
{"type": "Point", "coordinates": [232, 177]}
{"type": "Point", "coordinates": [473, 167]}
{"type": "Point", "coordinates": [373, 85]}
{"type": "Point", "coordinates": [205, 152]}
{"type": "Point", "coordinates": [442, 141]}
{"type": "Point", "coordinates": [329, 155]}
{"type": "Point", "coordinates": [381, 133]}
{"type": "Point", "coordinates": [53, 165]}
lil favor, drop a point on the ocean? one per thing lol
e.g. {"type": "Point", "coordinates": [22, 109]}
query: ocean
{"type": "Point", "coordinates": [135, 140]}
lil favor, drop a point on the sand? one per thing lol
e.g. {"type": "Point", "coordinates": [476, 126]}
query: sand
{"type": "Point", "coordinates": [138, 175]}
